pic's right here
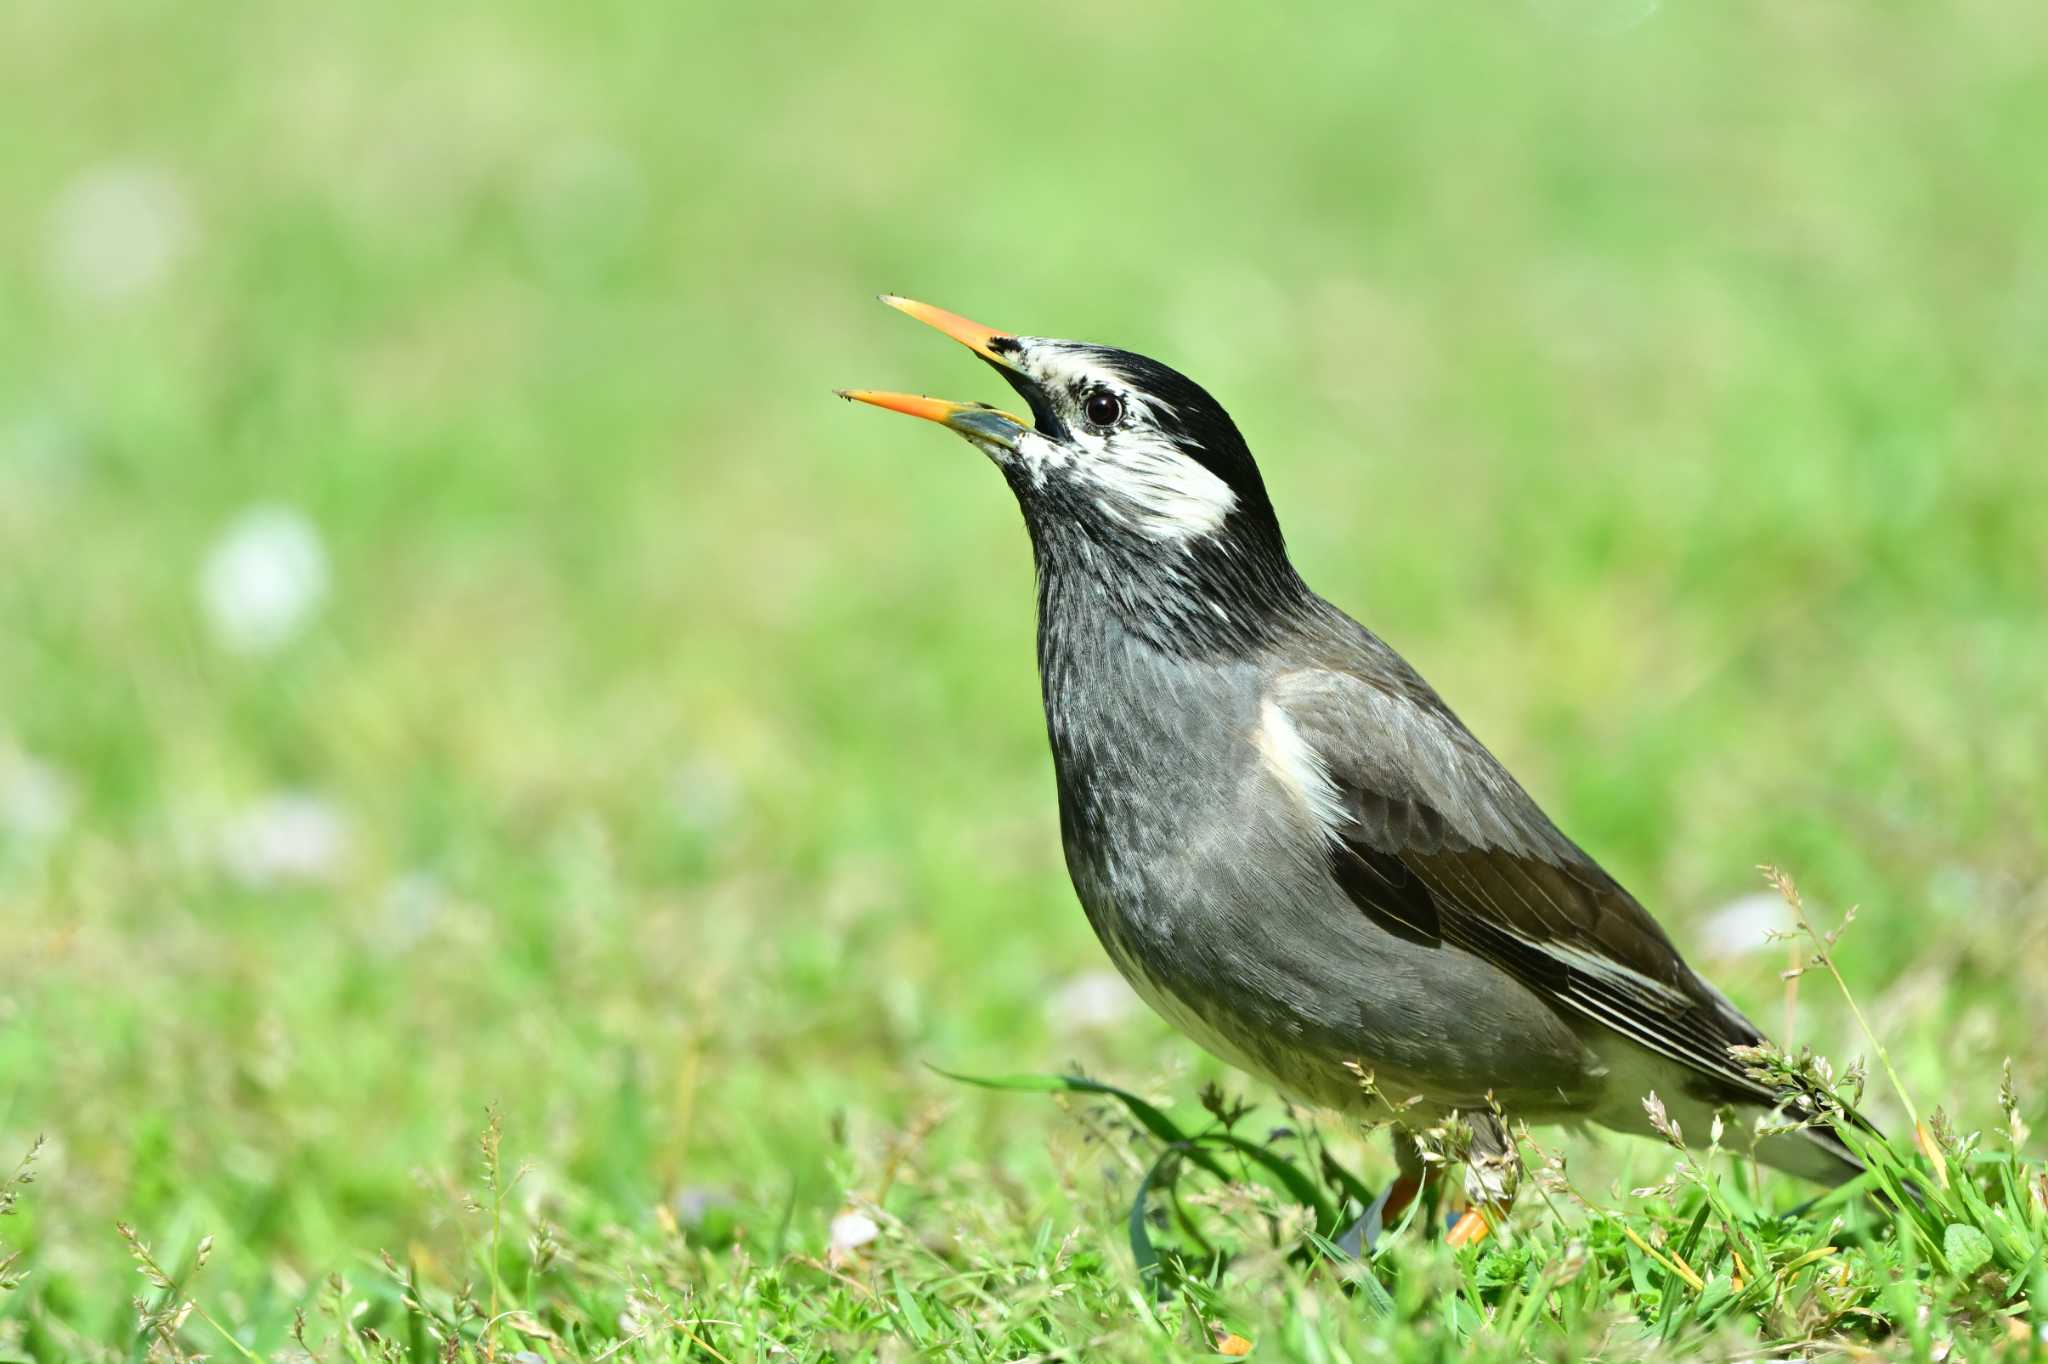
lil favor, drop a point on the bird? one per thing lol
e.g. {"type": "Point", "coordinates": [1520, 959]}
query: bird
{"type": "Point", "coordinates": [1285, 839]}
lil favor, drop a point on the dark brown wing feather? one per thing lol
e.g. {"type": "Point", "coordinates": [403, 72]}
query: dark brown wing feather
{"type": "Point", "coordinates": [1566, 932]}
{"type": "Point", "coordinates": [1444, 846]}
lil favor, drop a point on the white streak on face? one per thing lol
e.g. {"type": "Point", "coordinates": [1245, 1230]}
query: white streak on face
{"type": "Point", "coordinates": [1300, 769]}
{"type": "Point", "coordinates": [1141, 478]}
{"type": "Point", "coordinates": [1063, 368]}
{"type": "Point", "coordinates": [1152, 486]}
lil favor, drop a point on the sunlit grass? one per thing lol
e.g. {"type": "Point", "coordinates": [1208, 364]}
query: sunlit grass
{"type": "Point", "coordinates": [650, 748]}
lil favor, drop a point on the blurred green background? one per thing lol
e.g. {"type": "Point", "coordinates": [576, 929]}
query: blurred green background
{"type": "Point", "coordinates": [454, 649]}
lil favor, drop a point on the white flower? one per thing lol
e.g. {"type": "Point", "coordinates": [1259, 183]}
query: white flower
{"type": "Point", "coordinates": [263, 579]}
{"type": "Point", "coordinates": [1744, 926]}
{"type": "Point", "coordinates": [291, 837]}
{"type": "Point", "coordinates": [117, 229]}
{"type": "Point", "coordinates": [36, 800]}
{"type": "Point", "coordinates": [1092, 1000]}
{"type": "Point", "coordinates": [850, 1231]}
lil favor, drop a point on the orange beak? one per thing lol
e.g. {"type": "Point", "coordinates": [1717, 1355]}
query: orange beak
{"type": "Point", "coordinates": [986, 342]}
{"type": "Point", "coordinates": [979, 422]}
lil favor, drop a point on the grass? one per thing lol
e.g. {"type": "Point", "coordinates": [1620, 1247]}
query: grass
{"type": "Point", "coordinates": [661, 771]}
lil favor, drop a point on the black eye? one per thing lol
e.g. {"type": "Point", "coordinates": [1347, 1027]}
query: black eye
{"type": "Point", "coordinates": [1103, 408]}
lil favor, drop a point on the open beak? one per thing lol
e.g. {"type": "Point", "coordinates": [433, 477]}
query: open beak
{"type": "Point", "coordinates": [977, 421]}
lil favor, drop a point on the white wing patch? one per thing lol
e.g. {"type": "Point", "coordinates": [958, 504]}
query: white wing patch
{"type": "Point", "coordinates": [1300, 769]}
{"type": "Point", "coordinates": [1418, 755]}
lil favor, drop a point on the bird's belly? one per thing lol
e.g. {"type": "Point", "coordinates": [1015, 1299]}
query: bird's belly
{"type": "Point", "coordinates": [1282, 1056]}
{"type": "Point", "coordinates": [1284, 980]}
{"type": "Point", "coordinates": [1228, 993]}
{"type": "Point", "coordinates": [1190, 1021]}
{"type": "Point", "coordinates": [1217, 1029]}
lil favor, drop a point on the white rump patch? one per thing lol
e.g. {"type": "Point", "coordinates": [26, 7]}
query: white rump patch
{"type": "Point", "coordinates": [1300, 769]}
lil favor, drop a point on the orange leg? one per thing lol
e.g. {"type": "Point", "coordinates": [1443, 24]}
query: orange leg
{"type": "Point", "coordinates": [1481, 1216]}
{"type": "Point", "coordinates": [1469, 1230]}
{"type": "Point", "coordinates": [1492, 1173]}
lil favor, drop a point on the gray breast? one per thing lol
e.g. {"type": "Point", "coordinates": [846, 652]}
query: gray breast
{"type": "Point", "coordinates": [1205, 876]}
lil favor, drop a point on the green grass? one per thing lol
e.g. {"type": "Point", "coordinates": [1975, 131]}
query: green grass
{"type": "Point", "coordinates": [1672, 395]}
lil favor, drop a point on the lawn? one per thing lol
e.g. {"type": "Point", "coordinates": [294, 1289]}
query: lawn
{"type": "Point", "coordinates": [514, 802]}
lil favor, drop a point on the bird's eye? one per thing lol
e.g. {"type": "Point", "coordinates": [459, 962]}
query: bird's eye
{"type": "Point", "coordinates": [1103, 408]}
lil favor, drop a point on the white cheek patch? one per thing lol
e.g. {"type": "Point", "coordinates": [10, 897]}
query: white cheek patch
{"type": "Point", "coordinates": [1149, 485]}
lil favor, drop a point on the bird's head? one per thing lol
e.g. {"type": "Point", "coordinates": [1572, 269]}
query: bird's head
{"type": "Point", "coordinates": [1124, 463]}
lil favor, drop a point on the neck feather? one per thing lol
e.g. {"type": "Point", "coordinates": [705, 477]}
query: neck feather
{"type": "Point", "coordinates": [1204, 597]}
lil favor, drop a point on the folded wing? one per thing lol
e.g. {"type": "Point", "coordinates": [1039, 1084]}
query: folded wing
{"type": "Point", "coordinates": [1440, 844]}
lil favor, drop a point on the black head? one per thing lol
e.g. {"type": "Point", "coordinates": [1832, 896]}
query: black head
{"type": "Point", "coordinates": [1128, 472]}
{"type": "Point", "coordinates": [1123, 438]}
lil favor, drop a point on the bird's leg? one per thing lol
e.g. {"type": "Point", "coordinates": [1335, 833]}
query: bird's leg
{"type": "Point", "coordinates": [1493, 1173]}
{"type": "Point", "coordinates": [1472, 1227]}
{"type": "Point", "coordinates": [1412, 1177]}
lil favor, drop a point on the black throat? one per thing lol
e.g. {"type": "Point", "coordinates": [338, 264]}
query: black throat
{"type": "Point", "coordinates": [1206, 597]}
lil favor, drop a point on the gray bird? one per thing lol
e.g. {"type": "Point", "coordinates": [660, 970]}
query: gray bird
{"type": "Point", "coordinates": [1284, 838]}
